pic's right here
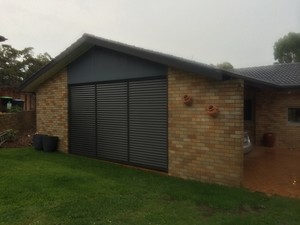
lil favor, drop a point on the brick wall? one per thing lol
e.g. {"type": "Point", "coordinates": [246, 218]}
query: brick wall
{"type": "Point", "coordinates": [272, 116]}
{"type": "Point", "coordinates": [20, 121]}
{"type": "Point", "coordinates": [201, 147]}
{"type": "Point", "coordinates": [52, 109]}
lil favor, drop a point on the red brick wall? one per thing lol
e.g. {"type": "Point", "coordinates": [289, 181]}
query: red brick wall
{"type": "Point", "coordinates": [201, 147]}
{"type": "Point", "coordinates": [52, 109]}
{"type": "Point", "coordinates": [272, 116]}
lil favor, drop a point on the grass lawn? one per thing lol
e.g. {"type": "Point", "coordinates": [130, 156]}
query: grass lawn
{"type": "Point", "coordinates": [54, 188]}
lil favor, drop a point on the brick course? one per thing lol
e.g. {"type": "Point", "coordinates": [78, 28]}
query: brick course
{"type": "Point", "coordinates": [52, 108]}
{"type": "Point", "coordinates": [201, 147]}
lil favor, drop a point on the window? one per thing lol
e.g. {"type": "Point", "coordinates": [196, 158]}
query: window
{"type": "Point", "coordinates": [294, 115]}
{"type": "Point", "coordinates": [248, 110]}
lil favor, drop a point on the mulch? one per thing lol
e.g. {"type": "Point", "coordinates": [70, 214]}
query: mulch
{"type": "Point", "coordinates": [23, 139]}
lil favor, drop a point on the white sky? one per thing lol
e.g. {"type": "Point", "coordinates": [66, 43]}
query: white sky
{"type": "Point", "coordinates": [242, 32]}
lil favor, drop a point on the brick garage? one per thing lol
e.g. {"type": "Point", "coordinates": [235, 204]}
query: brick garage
{"type": "Point", "coordinates": [193, 145]}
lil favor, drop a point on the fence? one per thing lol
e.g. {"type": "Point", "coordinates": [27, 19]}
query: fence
{"type": "Point", "coordinates": [20, 121]}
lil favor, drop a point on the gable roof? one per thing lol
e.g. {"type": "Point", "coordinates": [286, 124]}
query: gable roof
{"type": "Point", "coordinates": [88, 41]}
{"type": "Point", "coordinates": [280, 75]}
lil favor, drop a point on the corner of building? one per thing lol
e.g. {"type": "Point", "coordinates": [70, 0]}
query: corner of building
{"type": "Point", "coordinates": [202, 147]}
{"type": "Point", "coordinates": [52, 109]}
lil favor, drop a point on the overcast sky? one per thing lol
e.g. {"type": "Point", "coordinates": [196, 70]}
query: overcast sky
{"type": "Point", "coordinates": [241, 32]}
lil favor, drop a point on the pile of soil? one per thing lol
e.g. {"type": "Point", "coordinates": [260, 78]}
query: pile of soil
{"type": "Point", "coordinates": [23, 139]}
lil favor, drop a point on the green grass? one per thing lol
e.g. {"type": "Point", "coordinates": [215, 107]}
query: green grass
{"type": "Point", "coordinates": [54, 188]}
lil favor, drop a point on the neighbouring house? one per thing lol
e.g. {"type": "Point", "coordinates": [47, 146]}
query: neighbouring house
{"type": "Point", "coordinates": [26, 101]}
{"type": "Point", "coordinates": [121, 103]}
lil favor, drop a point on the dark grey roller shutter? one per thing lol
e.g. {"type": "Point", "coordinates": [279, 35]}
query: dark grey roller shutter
{"type": "Point", "coordinates": [148, 123]}
{"type": "Point", "coordinates": [121, 121]}
{"type": "Point", "coordinates": [82, 120]}
{"type": "Point", "coordinates": [112, 118]}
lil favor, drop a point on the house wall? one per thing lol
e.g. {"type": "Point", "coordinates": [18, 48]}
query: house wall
{"type": "Point", "coordinates": [201, 147]}
{"type": "Point", "coordinates": [52, 109]}
{"type": "Point", "coordinates": [272, 116]}
{"type": "Point", "coordinates": [29, 98]}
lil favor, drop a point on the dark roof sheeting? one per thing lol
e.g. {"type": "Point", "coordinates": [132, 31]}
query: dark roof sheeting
{"type": "Point", "coordinates": [88, 41]}
{"type": "Point", "coordinates": [280, 75]}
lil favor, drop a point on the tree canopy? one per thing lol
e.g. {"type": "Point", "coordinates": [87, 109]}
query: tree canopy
{"type": "Point", "coordinates": [17, 65]}
{"type": "Point", "coordinates": [287, 48]}
{"type": "Point", "coordinates": [225, 65]}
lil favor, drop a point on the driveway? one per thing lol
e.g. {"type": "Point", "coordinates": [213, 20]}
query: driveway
{"type": "Point", "coordinates": [275, 171]}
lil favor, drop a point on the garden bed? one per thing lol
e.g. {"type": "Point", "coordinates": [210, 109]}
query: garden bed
{"type": "Point", "coordinates": [21, 139]}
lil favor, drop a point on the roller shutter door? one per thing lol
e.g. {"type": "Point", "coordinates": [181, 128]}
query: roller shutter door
{"type": "Point", "coordinates": [121, 121]}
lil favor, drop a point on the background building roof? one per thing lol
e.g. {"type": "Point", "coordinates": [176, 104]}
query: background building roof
{"type": "Point", "coordinates": [282, 75]}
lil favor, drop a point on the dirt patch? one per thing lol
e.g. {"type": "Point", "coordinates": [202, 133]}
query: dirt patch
{"type": "Point", "coordinates": [22, 139]}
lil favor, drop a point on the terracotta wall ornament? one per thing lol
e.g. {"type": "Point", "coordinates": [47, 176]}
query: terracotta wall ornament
{"type": "Point", "coordinates": [212, 110]}
{"type": "Point", "coordinates": [187, 100]}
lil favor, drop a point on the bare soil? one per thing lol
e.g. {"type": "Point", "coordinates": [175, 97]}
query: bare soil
{"type": "Point", "coordinates": [22, 139]}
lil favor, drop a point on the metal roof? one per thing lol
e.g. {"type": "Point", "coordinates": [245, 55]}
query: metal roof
{"type": "Point", "coordinates": [280, 75]}
{"type": "Point", "coordinates": [285, 75]}
{"type": "Point", "coordinates": [88, 41]}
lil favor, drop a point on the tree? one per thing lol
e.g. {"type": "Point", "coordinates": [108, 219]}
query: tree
{"type": "Point", "coordinates": [16, 65]}
{"type": "Point", "coordinates": [225, 66]}
{"type": "Point", "coordinates": [287, 49]}
{"type": "Point", "coordinates": [2, 38]}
